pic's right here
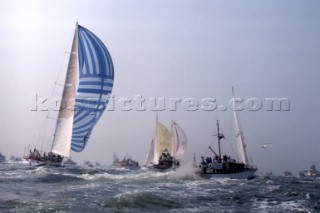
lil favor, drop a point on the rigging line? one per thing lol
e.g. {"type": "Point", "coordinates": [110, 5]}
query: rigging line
{"type": "Point", "coordinates": [205, 152]}
{"type": "Point", "coordinates": [36, 136]}
{"type": "Point", "coordinates": [44, 132]}
{"type": "Point", "coordinates": [232, 148]}
{"type": "Point", "coordinates": [66, 52]}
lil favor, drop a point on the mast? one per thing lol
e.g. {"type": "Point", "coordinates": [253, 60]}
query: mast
{"type": "Point", "coordinates": [220, 136]}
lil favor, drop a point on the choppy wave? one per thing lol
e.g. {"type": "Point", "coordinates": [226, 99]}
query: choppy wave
{"type": "Point", "coordinates": [106, 189]}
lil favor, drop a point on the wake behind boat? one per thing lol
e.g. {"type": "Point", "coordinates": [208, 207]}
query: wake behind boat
{"type": "Point", "coordinates": [167, 148]}
{"type": "Point", "coordinates": [88, 84]}
{"type": "Point", "coordinates": [224, 166]}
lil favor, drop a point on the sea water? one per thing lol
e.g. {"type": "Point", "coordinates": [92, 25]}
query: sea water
{"type": "Point", "coordinates": [105, 189]}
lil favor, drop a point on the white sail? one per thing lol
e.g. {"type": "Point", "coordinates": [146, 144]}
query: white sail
{"type": "Point", "coordinates": [163, 141]}
{"type": "Point", "coordinates": [241, 146]}
{"type": "Point", "coordinates": [166, 140]}
{"type": "Point", "coordinates": [180, 140]}
{"type": "Point", "coordinates": [150, 154]}
{"type": "Point", "coordinates": [154, 145]}
{"type": "Point", "coordinates": [63, 133]}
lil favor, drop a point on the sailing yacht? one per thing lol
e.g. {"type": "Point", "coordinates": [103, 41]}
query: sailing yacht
{"type": "Point", "coordinates": [224, 166]}
{"type": "Point", "coordinates": [88, 84]}
{"type": "Point", "coordinates": [287, 173]}
{"type": "Point", "coordinates": [167, 148]}
{"type": "Point", "coordinates": [127, 162]}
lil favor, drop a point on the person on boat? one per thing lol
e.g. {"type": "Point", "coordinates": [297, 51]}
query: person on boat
{"type": "Point", "coordinates": [203, 165]}
{"type": "Point", "coordinates": [202, 160]}
{"type": "Point", "coordinates": [217, 159]}
{"type": "Point", "coordinates": [208, 160]}
{"type": "Point", "coordinates": [225, 158]}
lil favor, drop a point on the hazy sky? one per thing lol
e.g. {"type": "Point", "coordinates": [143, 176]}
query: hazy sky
{"type": "Point", "coordinates": [172, 49]}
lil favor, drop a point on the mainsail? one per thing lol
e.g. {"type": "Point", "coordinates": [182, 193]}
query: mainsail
{"type": "Point", "coordinates": [63, 132]}
{"type": "Point", "coordinates": [163, 141]}
{"type": "Point", "coordinates": [86, 96]}
{"type": "Point", "coordinates": [241, 146]}
{"type": "Point", "coordinates": [180, 140]}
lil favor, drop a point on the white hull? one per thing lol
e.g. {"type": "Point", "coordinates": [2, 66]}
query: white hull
{"type": "Point", "coordinates": [240, 175]}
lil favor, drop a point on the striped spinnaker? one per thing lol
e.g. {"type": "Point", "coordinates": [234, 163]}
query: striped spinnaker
{"type": "Point", "coordinates": [96, 77]}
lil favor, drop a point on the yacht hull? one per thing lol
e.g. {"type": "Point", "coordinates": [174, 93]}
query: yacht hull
{"type": "Point", "coordinates": [249, 174]}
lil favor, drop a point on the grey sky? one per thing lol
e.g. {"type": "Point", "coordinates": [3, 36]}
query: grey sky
{"type": "Point", "coordinates": [172, 49]}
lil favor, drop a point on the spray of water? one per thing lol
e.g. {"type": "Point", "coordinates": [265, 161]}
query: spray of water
{"type": "Point", "coordinates": [186, 170]}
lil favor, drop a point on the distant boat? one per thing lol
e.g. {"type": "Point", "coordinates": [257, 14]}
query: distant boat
{"type": "Point", "coordinates": [266, 146]}
{"type": "Point", "coordinates": [88, 163]}
{"type": "Point", "coordinates": [311, 173]}
{"type": "Point", "coordinates": [126, 162]}
{"type": "Point", "coordinates": [287, 173]}
{"type": "Point", "coordinates": [224, 166]}
{"type": "Point", "coordinates": [167, 148]}
{"type": "Point", "coordinates": [2, 158]}
{"type": "Point", "coordinates": [88, 84]}
{"type": "Point", "coordinates": [69, 161]}
{"type": "Point", "coordinates": [15, 159]}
